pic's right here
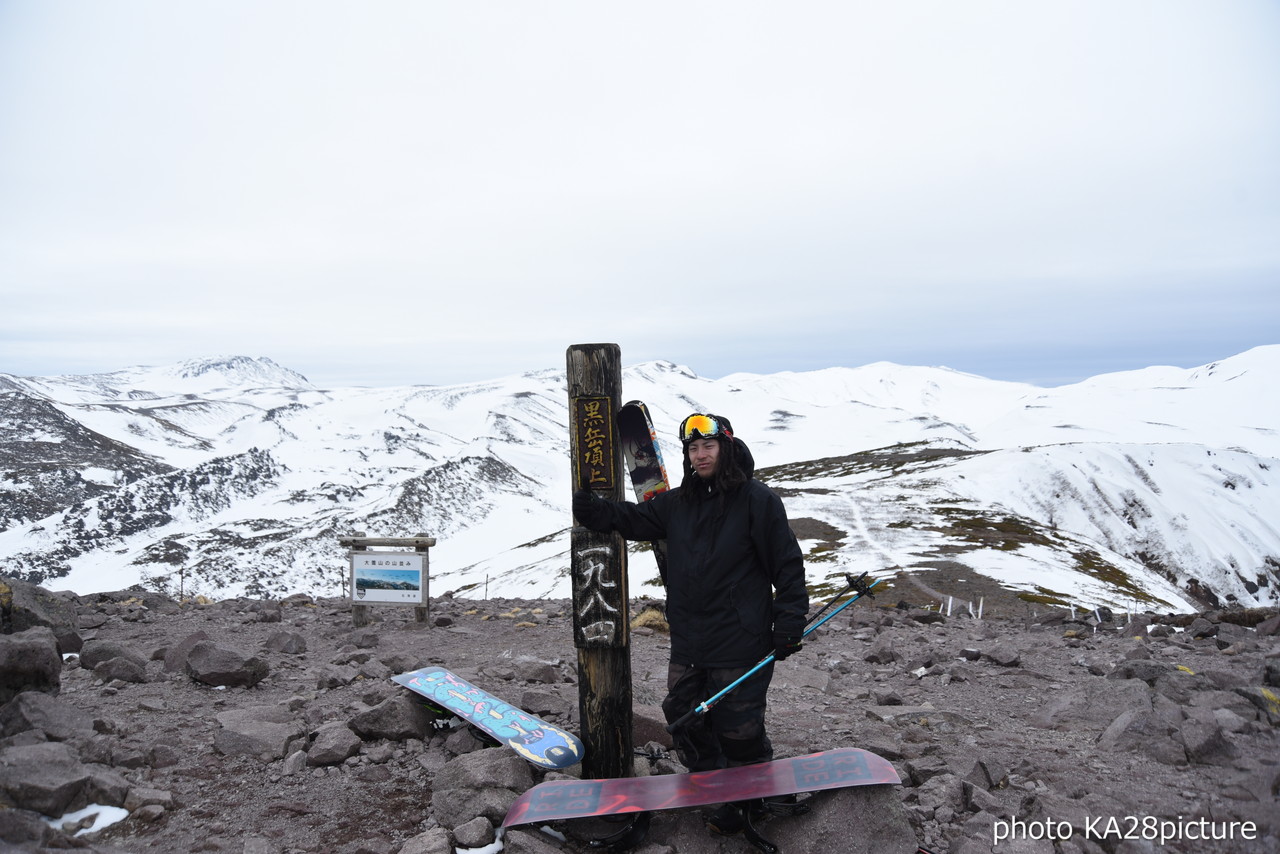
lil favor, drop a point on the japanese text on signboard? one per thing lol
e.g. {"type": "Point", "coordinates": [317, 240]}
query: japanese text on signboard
{"type": "Point", "coordinates": [593, 423]}
{"type": "Point", "coordinates": [597, 619]}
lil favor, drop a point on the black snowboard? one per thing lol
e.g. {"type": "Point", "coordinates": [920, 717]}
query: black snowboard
{"type": "Point", "coordinates": [643, 456]}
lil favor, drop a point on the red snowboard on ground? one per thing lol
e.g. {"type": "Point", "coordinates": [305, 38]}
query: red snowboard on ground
{"type": "Point", "coordinates": [830, 769]}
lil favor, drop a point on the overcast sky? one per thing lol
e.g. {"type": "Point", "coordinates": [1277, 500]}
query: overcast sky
{"type": "Point", "coordinates": [385, 193]}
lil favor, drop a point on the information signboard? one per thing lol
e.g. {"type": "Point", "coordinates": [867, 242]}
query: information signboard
{"type": "Point", "coordinates": [395, 578]}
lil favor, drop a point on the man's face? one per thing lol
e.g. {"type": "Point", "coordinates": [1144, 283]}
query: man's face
{"type": "Point", "coordinates": [704, 455]}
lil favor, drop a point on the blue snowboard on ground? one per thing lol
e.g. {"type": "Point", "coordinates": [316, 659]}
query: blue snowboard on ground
{"type": "Point", "coordinates": [539, 742]}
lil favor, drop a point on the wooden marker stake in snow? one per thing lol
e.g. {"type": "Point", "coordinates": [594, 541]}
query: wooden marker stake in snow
{"type": "Point", "coordinates": [601, 615]}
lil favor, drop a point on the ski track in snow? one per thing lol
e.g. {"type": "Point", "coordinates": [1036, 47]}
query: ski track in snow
{"type": "Point", "coordinates": [859, 520]}
{"type": "Point", "coordinates": [903, 560]}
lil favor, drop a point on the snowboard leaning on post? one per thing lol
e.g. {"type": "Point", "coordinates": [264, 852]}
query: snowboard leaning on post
{"type": "Point", "coordinates": [643, 455]}
{"type": "Point", "coordinates": [534, 739]}
{"type": "Point", "coordinates": [641, 450]}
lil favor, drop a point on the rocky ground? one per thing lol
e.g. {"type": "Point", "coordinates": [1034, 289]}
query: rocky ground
{"type": "Point", "coordinates": [274, 727]}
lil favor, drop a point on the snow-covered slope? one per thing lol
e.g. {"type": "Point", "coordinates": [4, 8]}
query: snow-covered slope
{"type": "Point", "coordinates": [227, 476]}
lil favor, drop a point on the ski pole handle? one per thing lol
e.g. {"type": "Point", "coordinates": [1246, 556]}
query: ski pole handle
{"type": "Point", "coordinates": [683, 720]}
{"type": "Point", "coordinates": [860, 587]}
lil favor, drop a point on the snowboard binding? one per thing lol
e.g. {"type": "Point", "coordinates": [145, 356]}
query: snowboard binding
{"type": "Point", "coordinates": [626, 838]}
{"type": "Point", "coordinates": [759, 809]}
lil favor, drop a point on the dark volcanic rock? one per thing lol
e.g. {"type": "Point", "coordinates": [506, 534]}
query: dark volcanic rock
{"type": "Point", "coordinates": [29, 661]}
{"type": "Point", "coordinates": [396, 718]}
{"type": "Point", "coordinates": [54, 717]}
{"type": "Point", "coordinates": [222, 667]}
{"type": "Point", "coordinates": [49, 778]}
{"type": "Point", "coordinates": [485, 782]}
{"type": "Point", "coordinates": [175, 657]}
{"type": "Point", "coordinates": [332, 744]}
{"type": "Point", "coordinates": [95, 652]}
{"type": "Point", "coordinates": [292, 643]}
{"type": "Point", "coordinates": [262, 731]}
{"type": "Point", "coordinates": [27, 606]}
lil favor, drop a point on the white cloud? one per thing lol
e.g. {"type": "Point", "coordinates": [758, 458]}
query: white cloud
{"type": "Point", "coordinates": [510, 180]}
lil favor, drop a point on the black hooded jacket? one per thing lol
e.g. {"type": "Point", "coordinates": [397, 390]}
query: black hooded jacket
{"type": "Point", "coordinates": [725, 560]}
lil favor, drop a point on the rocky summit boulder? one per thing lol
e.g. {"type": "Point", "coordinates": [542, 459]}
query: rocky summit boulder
{"type": "Point", "coordinates": [111, 661]}
{"type": "Point", "coordinates": [398, 717]}
{"type": "Point", "coordinates": [291, 643]}
{"type": "Point", "coordinates": [29, 661]}
{"type": "Point", "coordinates": [1266, 701]}
{"type": "Point", "coordinates": [175, 657]}
{"type": "Point", "coordinates": [49, 778]}
{"type": "Point", "coordinates": [1205, 739]}
{"type": "Point", "coordinates": [18, 826]}
{"type": "Point", "coordinates": [95, 652]}
{"type": "Point", "coordinates": [482, 783]}
{"type": "Point", "coordinates": [26, 606]}
{"type": "Point", "coordinates": [263, 731]}
{"type": "Point", "coordinates": [1144, 730]}
{"type": "Point", "coordinates": [332, 744]}
{"type": "Point", "coordinates": [53, 717]}
{"type": "Point", "coordinates": [120, 670]}
{"type": "Point", "coordinates": [222, 667]}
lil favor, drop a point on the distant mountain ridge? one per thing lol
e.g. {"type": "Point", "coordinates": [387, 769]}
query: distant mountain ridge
{"type": "Point", "coordinates": [1153, 488]}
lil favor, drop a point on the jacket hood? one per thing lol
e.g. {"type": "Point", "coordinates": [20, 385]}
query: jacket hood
{"type": "Point", "coordinates": [745, 460]}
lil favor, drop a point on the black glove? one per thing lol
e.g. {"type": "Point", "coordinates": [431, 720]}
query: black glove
{"type": "Point", "coordinates": [590, 511]}
{"type": "Point", "coordinates": [784, 644]}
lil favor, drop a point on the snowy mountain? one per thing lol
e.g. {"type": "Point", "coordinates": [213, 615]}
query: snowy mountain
{"type": "Point", "coordinates": [1157, 488]}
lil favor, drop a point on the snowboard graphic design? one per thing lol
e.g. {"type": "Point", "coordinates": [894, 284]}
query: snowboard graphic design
{"type": "Point", "coordinates": [643, 456]}
{"type": "Point", "coordinates": [536, 740]}
{"type": "Point", "coordinates": [641, 450]}
{"type": "Point", "coordinates": [830, 769]}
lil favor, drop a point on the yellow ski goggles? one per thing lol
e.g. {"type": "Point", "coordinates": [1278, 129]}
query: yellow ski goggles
{"type": "Point", "coordinates": [700, 426]}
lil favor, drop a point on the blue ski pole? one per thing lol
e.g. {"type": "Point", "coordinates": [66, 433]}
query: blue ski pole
{"type": "Point", "coordinates": [860, 587]}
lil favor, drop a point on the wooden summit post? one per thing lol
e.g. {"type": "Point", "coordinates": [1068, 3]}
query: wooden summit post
{"type": "Point", "coordinates": [601, 614]}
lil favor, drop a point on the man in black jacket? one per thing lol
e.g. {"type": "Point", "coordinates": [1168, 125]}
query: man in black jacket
{"type": "Point", "coordinates": [735, 592]}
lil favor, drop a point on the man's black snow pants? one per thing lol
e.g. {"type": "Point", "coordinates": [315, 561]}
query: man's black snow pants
{"type": "Point", "coordinates": [732, 732]}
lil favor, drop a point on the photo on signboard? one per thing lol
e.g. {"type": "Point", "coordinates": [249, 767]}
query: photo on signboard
{"type": "Point", "coordinates": [386, 579]}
